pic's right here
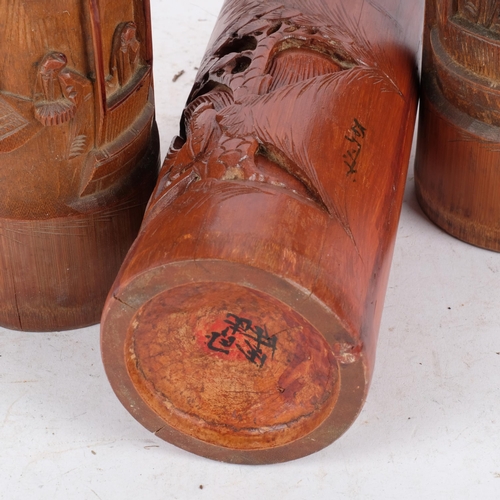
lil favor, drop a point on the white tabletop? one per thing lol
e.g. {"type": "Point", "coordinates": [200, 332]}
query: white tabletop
{"type": "Point", "coordinates": [430, 428]}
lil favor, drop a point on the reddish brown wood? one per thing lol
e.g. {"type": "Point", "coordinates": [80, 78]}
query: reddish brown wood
{"type": "Point", "coordinates": [243, 323]}
{"type": "Point", "coordinates": [456, 170]}
{"type": "Point", "coordinates": [78, 154]}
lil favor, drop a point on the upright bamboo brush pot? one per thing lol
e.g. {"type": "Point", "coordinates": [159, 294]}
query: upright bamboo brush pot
{"type": "Point", "coordinates": [78, 154]}
{"type": "Point", "coordinates": [457, 167]}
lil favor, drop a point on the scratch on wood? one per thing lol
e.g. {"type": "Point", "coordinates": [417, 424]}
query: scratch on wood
{"type": "Point", "coordinates": [121, 301]}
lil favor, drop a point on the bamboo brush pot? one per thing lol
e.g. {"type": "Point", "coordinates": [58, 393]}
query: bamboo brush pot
{"type": "Point", "coordinates": [243, 323]}
{"type": "Point", "coordinates": [78, 154]}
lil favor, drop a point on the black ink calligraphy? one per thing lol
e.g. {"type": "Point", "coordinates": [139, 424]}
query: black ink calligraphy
{"type": "Point", "coordinates": [355, 136]}
{"type": "Point", "coordinates": [251, 340]}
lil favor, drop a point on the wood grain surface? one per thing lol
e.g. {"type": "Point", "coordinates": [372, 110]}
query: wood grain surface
{"type": "Point", "coordinates": [456, 169]}
{"type": "Point", "coordinates": [243, 323]}
{"type": "Point", "coordinates": [78, 154]}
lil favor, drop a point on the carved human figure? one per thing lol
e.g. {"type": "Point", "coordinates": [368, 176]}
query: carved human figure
{"type": "Point", "coordinates": [54, 99]}
{"type": "Point", "coordinates": [126, 53]}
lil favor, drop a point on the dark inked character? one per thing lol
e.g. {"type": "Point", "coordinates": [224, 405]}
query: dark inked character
{"type": "Point", "coordinates": [357, 132]}
{"type": "Point", "coordinates": [220, 341]}
{"type": "Point", "coordinates": [252, 339]}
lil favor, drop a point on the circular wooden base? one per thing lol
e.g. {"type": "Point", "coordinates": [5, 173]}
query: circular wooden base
{"type": "Point", "coordinates": [230, 362]}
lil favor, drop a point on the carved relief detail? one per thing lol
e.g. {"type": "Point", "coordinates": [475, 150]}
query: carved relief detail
{"type": "Point", "coordinates": [11, 122]}
{"type": "Point", "coordinates": [485, 13]}
{"type": "Point", "coordinates": [125, 56]}
{"type": "Point", "coordinates": [55, 105]}
{"type": "Point", "coordinates": [55, 96]}
{"type": "Point", "coordinates": [274, 61]}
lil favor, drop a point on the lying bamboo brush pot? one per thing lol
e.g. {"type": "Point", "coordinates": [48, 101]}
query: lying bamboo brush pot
{"type": "Point", "coordinates": [78, 154]}
{"type": "Point", "coordinates": [243, 323]}
{"type": "Point", "coordinates": [457, 167]}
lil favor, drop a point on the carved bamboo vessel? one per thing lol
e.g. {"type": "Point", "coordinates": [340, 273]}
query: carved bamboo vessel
{"type": "Point", "coordinates": [78, 154]}
{"type": "Point", "coordinates": [243, 323]}
{"type": "Point", "coordinates": [457, 171]}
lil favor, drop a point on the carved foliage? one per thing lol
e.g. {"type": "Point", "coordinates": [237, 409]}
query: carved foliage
{"type": "Point", "coordinates": [272, 60]}
{"type": "Point", "coordinates": [485, 13]}
{"type": "Point", "coordinates": [245, 68]}
{"type": "Point", "coordinates": [11, 123]}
